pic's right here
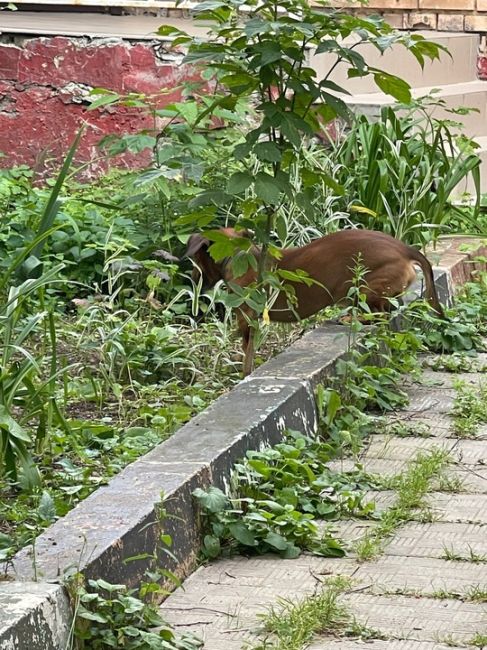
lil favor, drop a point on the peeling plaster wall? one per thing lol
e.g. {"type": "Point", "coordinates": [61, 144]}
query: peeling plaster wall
{"type": "Point", "coordinates": [43, 87]}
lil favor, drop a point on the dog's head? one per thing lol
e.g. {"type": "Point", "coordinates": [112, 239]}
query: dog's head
{"type": "Point", "coordinates": [198, 251]}
{"type": "Point", "coordinates": [205, 265]}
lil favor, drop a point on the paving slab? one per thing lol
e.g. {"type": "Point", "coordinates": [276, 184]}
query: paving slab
{"type": "Point", "coordinates": [423, 575]}
{"type": "Point", "coordinates": [438, 424]}
{"type": "Point", "coordinates": [221, 603]}
{"type": "Point", "coordinates": [471, 452]}
{"type": "Point", "coordinates": [473, 479]}
{"type": "Point", "coordinates": [430, 539]}
{"type": "Point", "coordinates": [376, 644]}
{"type": "Point", "coordinates": [466, 508]}
{"type": "Point", "coordinates": [419, 619]}
{"type": "Point", "coordinates": [422, 400]}
{"type": "Point", "coordinates": [390, 447]}
{"type": "Point", "coordinates": [444, 379]}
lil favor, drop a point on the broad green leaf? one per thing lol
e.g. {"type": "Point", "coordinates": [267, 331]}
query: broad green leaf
{"type": "Point", "coordinates": [266, 188]}
{"type": "Point", "coordinates": [276, 541]}
{"type": "Point", "coordinates": [239, 182]}
{"type": "Point", "coordinates": [91, 616]}
{"type": "Point", "coordinates": [170, 30]}
{"type": "Point", "coordinates": [46, 509]}
{"type": "Point", "coordinates": [11, 427]}
{"type": "Point", "coordinates": [211, 546]}
{"type": "Point", "coordinates": [267, 151]}
{"type": "Point", "coordinates": [107, 586]}
{"type": "Point", "coordinates": [291, 552]}
{"type": "Point", "coordinates": [242, 534]}
{"type": "Point", "coordinates": [240, 264]}
{"type": "Point", "coordinates": [392, 85]}
{"type": "Point", "coordinates": [216, 197]}
{"type": "Point", "coordinates": [5, 541]}
{"type": "Point", "coordinates": [212, 499]}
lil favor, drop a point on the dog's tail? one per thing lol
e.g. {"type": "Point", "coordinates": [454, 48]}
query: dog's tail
{"type": "Point", "coordinates": [431, 293]}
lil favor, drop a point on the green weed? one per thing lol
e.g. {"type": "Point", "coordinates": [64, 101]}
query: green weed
{"type": "Point", "coordinates": [469, 408]}
{"type": "Point", "coordinates": [412, 485]}
{"type": "Point", "coordinates": [276, 496]}
{"type": "Point", "coordinates": [293, 624]}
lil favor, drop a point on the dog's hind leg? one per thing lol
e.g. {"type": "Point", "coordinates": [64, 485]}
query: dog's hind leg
{"type": "Point", "coordinates": [244, 320]}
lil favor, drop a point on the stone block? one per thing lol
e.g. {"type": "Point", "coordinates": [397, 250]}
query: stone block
{"type": "Point", "coordinates": [451, 22]}
{"type": "Point", "coordinates": [421, 20]}
{"type": "Point", "coordinates": [34, 616]}
{"type": "Point", "coordinates": [477, 23]}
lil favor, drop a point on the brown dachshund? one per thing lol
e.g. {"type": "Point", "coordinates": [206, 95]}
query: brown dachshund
{"type": "Point", "coordinates": [330, 262]}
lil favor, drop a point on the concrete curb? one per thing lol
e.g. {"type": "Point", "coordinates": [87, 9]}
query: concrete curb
{"type": "Point", "coordinates": [122, 520]}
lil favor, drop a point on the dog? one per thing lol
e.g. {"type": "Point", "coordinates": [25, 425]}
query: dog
{"type": "Point", "coordinates": [329, 262]}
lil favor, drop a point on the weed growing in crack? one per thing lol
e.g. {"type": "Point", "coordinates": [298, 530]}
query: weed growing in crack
{"type": "Point", "coordinates": [454, 363]}
{"type": "Point", "coordinates": [412, 485]}
{"type": "Point", "coordinates": [293, 624]}
{"type": "Point", "coordinates": [403, 428]}
{"type": "Point", "coordinates": [469, 408]}
{"type": "Point", "coordinates": [474, 594]}
{"type": "Point", "coordinates": [473, 556]}
{"type": "Point", "coordinates": [451, 484]}
{"type": "Point", "coordinates": [477, 594]}
{"type": "Point", "coordinates": [479, 640]}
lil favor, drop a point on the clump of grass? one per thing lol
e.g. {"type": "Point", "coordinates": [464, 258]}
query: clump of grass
{"type": "Point", "coordinates": [412, 485]}
{"type": "Point", "coordinates": [404, 429]}
{"type": "Point", "coordinates": [454, 363]}
{"type": "Point", "coordinates": [293, 624]}
{"type": "Point", "coordinates": [478, 640]}
{"type": "Point", "coordinates": [469, 408]}
{"type": "Point", "coordinates": [473, 557]}
{"type": "Point", "coordinates": [477, 594]}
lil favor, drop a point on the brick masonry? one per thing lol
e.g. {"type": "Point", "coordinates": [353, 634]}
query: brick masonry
{"type": "Point", "coordinates": [44, 84]}
{"type": "Point", "coordinates": [441, 15]}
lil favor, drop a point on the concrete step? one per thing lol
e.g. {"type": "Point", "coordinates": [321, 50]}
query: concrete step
{"type": "Point", "coordinates": [460, 67]}
{"type": "Point", "coordinates": [471, 94]}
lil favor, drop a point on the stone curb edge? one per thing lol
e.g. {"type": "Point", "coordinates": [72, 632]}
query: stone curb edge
{"type": "Point", "coordinates": [122, 520]}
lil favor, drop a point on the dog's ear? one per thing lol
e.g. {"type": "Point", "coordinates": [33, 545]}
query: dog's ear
{"type": "Point", "coordinates": [195, 243]}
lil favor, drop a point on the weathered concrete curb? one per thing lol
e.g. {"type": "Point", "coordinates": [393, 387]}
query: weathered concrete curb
{"type": "Point", "coordinates": [121, 520]}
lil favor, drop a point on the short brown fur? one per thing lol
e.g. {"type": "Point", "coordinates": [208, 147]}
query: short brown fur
{"type": "Point", "coordinates": [330, 261]}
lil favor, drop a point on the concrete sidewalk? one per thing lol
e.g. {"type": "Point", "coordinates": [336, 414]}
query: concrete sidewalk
{"type": "Point", "coordinates": [410, 596]}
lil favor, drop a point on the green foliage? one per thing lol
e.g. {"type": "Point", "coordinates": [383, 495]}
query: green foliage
{"type": "Point", "coordinates": [112, 616]}
{"type": "Point", "coordinates": [469, 408]}
{"type": "Point", "coordinates": [401, 172]}
{"type": "Point", "coordinates": [455, 362]}
{"type": "Point", "coordinates": [292, 625]}
{"type": "Point", "coordinates": [276, 495]}
{"type": "Point", "coordinates": [411, 487]}
{"type": "Point", "coordinates": [267, 57]}
{"type": "Point", "coordinates": [463, 328]}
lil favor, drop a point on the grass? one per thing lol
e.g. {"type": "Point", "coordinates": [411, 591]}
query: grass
{"type": "Point", "coordinates": [475, 558]}
{"type": "Point", "coordinates": [479, 640]}
{"type": "Point", "coordinates": [474, 594]}
{"type": "Point", "coordinates": [404, 429]}
{"type": "Point", "coordinates": [455, 363]}
{"type": "Point", "coordinates": [469, 408]}
{"type": "Point", "coordinates": [293, 624]}
{"type": "Point", "coordinates": [412, 485]}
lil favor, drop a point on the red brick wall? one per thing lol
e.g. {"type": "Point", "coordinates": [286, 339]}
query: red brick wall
{"type": "Point", "coordinates": [443, 15]}
{"type": "Point", "coordinates": [43, 87]}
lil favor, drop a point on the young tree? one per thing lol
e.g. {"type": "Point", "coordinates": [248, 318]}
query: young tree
{"type": "Point", "coordinates": [260, 51]}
